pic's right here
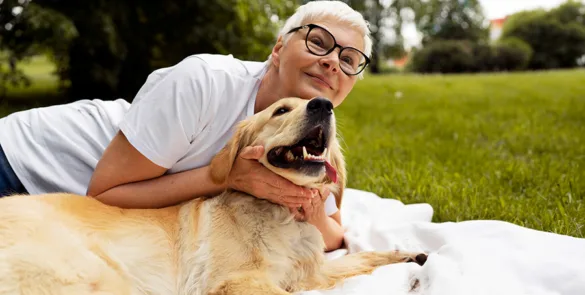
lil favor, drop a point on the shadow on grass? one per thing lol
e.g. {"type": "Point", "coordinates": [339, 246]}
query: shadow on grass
{"type": "Point", "coordinates": [24, 100]}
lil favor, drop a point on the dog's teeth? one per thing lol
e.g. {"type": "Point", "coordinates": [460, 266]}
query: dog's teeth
{"type": "Point", "coordinates": [289, 156]}
{"type": "Point", "coordinates": [305, 154]}
{"type": "Point", "coordinates": [325, 154]}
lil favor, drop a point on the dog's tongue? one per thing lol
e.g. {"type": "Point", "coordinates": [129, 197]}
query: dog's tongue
{"type": "Point", "coordinates": [331, 172]}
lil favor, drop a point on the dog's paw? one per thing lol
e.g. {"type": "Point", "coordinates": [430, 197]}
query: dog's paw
{"type": "Point", "coordinates": [399, 256]}
{"type": "Point", "coordinates": [420, 258]}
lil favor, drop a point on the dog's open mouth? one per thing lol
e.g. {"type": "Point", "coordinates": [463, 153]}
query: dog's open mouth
{"type": "Point", "coordinates": [309, 154]}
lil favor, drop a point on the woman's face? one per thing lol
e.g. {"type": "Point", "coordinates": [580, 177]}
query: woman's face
{"type": "Point", "coordinates": [303, 74]}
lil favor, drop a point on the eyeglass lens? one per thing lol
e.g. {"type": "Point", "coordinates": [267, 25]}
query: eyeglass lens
{"type": "Point", "coordinates": [320, 42]}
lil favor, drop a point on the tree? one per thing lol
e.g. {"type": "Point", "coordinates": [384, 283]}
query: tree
{"type": "Point", "coordinates": [118, 43]}
{"type": "Point", "coordinates": [435, 19]}
{"type": "Point", "coordinates": [27, 29]}
{"type": "Point", "coordinates": [557, 37]}
{"type": "Point", "coordinates": [570, 12]}
{"type": "Point", "coordinates": [451, 20]}
{"type": "Point", "coordinates": [377, 13]}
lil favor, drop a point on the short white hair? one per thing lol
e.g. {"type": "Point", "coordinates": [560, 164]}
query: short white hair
{"type": "Point", "coordinates": [333, 9]}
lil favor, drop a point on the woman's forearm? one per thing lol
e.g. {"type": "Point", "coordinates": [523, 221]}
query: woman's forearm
{"type": "Point", "coordinates": [332, 233]}
{"type": "Point", "coordinates": [162, 191]}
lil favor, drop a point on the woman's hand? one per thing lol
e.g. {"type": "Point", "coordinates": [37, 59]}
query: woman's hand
{"type": "Point", "coordinates": [250, 176]}
{"type": "Point", "coordinates": [329, 226]}
{"type": "Point", "coordinates": [314, 211]}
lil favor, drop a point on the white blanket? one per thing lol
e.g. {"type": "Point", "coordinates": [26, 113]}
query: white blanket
{"type": "Point", "coordinates": [471, 257]}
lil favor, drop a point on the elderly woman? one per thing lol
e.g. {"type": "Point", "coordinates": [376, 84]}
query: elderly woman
{"type": "Point", "coordinates": [155, 152]}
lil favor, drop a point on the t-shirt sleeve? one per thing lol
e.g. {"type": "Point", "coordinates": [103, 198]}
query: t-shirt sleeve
{"type": "Point", "coordinates": [169, 111]}
{"type": "Point", "coordinates": [330, 205]}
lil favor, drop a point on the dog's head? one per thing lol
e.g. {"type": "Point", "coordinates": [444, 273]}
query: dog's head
{"type": "Point", "coordinates": [300, 144]}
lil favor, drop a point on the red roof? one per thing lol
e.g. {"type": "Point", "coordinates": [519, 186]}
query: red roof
{"type": "Point", "coordinates": [498, 22]}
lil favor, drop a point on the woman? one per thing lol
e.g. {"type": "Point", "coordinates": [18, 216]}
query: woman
{"type": "Point", "coordinates": [155, 152]}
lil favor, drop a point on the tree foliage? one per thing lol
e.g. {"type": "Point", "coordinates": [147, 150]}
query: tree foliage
{"type": "Point", "coordinates": [463, 56]}
{"type": "Point", "coordinates": [28, 29]}
{"type": "Point", "coordinates": [434, 19]}
{"type": "Point", "coordinates": [557, 37]}
{"type": "Point", "coordinates": [118, 43]}
{"type": "Point", "coordinates": [450, 20]}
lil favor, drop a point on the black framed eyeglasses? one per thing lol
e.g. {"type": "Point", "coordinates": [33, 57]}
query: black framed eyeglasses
{"type": "Point", "coordinates": [321, 42]}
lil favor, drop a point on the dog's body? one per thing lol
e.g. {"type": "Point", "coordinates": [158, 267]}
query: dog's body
{"type": "Point", "coordinates": [228, 244]}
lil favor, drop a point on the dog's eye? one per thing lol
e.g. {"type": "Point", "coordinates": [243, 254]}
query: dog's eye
{"type": "Point", "coordinates": [280, 111]}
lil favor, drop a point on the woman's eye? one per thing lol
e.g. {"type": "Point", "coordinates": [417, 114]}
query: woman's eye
{"type": "Point", "coordinates": [317, 42]}
{"type": "Point", "coordinates": [348, 60]}
{"type": "Point", "coordinates": [281, 111]}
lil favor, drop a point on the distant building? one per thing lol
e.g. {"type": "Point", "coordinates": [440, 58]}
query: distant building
{"type": "Point", "coordinates": [496, 26]}
{"type": "Point", "coordinates": [400, 62]}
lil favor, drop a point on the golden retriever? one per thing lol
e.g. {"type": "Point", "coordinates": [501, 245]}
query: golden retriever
{"type": "Point", "coordinates": [228, 244]}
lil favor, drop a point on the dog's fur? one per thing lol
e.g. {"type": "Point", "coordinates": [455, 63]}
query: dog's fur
{"type": "Point", "coordinates": [228, 244]}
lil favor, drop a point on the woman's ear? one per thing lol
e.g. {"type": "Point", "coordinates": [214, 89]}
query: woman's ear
{"type": "Point", "coordinates": [222, 163]}
{"type": "Point", "coordinates": [276, 50]}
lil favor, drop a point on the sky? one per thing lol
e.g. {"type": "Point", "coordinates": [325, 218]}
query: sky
{"type": "Point", "coordinates": [501, 8]}
{"type": "Point", "coordinates": [493, 9]}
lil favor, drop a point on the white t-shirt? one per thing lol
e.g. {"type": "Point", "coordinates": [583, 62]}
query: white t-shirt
{"type": "Point", "coordinates": [180, 118]}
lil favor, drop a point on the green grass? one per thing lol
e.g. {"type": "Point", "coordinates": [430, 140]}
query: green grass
{"type": "Point", "coordinates": [499, 146]}
{"type": "Point", "coordinates": [42, 91]}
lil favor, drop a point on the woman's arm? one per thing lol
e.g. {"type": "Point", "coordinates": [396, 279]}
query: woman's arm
{"type": "Point", "coordinates": [157, 131]}
{"type": "Point", "coordinates": [330, 226]}
{"type": "Point", "coordinates": [125, 178]}
{"type": "Point", "coordinates": [332, 231]}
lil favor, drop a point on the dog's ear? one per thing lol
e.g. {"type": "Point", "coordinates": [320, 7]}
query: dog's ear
{"type": "Point", "coordinates": [338, 162]}
{"type": "Point", "coordinates": [221, 164]}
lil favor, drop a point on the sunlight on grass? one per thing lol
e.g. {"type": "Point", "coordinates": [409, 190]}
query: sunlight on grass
{"type": "Point", "coordinates": [44, 83]}
{"type": "Point", "coordinates": [500, 146]}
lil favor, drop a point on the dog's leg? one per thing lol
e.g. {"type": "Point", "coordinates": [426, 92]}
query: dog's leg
{"type": "Point", "coordinates": [337, 270]}
{"type": "Point", "coordinates": [248, 285]}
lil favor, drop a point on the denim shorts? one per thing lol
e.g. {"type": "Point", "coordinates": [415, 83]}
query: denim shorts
{"type": "Point", "coordinates": [9, 182]}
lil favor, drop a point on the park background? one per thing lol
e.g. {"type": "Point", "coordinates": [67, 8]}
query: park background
{"type": "Point", "coordinates": [475, 107]}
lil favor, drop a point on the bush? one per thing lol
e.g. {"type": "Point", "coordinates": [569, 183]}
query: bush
{"type": "Point", "coordinates": [556, 40]}
{"type": "Point", "coordinates": [483, 58]}
{"type": "Point", "coordinates": [511, 54]}
{"type": "Point", "coordinates": [453, 56]}
{"type": "Point", "coordinates": [443, 56]}
{"type": "Point", "coordinates": [532, 39]}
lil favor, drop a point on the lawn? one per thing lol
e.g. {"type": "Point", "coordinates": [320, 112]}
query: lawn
{"type": "Point", "coordinates": [42, 91]}
{"type": "Point", "coordinates": [498, 146]}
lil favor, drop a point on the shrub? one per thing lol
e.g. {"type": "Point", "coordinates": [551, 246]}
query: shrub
{"type": "Point", "coordinates": [454, 56]}
{"type": "Point", "coordinates": [445, 56]}
{"type": "Point", "coordinates": [511, 54]}
{"type": "Point", "coordinates": [556, 41]}
{"type": "Point", "coordinates": [483, 58]}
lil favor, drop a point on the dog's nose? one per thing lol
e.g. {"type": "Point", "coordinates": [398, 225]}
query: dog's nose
{"type": "Point", "coordinates": [319, 105]}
